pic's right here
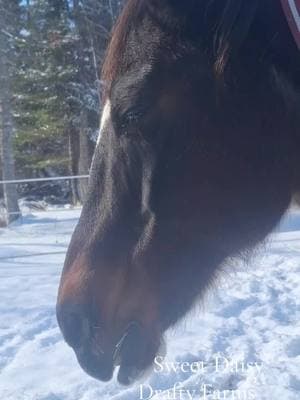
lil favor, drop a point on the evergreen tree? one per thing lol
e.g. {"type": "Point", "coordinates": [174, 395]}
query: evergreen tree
{"type": "Point", "coordinates": [41, 141]}
{"type": "Point", "coordinates": [9, 23]}
{"type": "Point", "coordinates": [55, 86]}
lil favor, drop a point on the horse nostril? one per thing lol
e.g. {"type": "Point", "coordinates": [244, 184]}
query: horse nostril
{"type": "Point", "coordinates": [74, 324]}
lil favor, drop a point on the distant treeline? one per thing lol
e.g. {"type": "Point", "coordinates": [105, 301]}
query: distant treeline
{"type": "Point", "coordinates": [51, 53]}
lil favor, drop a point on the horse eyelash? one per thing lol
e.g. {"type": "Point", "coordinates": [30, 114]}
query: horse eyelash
{"type": "Point", "coordinates": [129, 118]}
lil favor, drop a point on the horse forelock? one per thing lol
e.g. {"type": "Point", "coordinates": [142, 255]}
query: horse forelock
{"type": "Point", "coordinates": [221, 26]}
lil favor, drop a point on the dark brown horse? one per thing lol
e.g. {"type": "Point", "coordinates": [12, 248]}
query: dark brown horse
{"type": "Point", "coordinates": [198, 159]}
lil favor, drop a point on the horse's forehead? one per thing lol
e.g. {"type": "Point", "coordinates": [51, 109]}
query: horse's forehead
{"type": "Point", "coordinates": [129, 82]}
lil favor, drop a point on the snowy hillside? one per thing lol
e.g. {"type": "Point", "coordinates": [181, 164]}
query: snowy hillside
{"type": "Point", "coordinates": [243, 344]}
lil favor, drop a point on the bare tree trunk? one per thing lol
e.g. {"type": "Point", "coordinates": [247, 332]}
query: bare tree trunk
{"type": "Point", "coordinates": [85, 155]}
{"type": "Point", "coordinates": [8, 162]}
{"type": "Point", "coordinates": [7, 132]}
{"type": "Point", "coordinates": [73, 162]}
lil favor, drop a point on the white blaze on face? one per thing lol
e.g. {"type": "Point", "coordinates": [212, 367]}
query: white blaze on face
{"type": "Point", "coordinates": [105, 118]}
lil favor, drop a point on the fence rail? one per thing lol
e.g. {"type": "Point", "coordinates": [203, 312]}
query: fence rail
{"type": "Point", "coordinates": [48, 179]}
{"type": "Point", "coordinates": [51, 210]}
{"type": "Point", "coordinates": [30, 255]}
{"type": "Point", "coordinates": [55, 178]}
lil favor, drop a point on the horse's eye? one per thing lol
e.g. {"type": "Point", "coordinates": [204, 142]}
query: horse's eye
{"type": "Point", "coordinates": [129, 121]}
{"type": "Point", "coordinates": [131, 117]}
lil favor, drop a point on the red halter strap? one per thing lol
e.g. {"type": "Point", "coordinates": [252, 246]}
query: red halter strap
{"type": "Point", "coordinates": [292, 12]}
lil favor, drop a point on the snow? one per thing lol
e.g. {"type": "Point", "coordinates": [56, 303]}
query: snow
{"type": "Point", "coordinates": [242, 342]}
{"type": "Point", "coordinates": [25, 33]}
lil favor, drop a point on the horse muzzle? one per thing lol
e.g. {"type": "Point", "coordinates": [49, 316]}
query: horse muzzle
{"type": "Point", "coordinates": [132, 353]}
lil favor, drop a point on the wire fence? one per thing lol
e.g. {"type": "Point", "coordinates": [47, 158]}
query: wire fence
{"type": "Point", "coordinates": [34, 180]}
{"type": "Point", "coordinates": [55, 178]}
{"type": "Point", "coordinates": [29, 255]}
{"type": "Point", "coordinates": [30, 213]}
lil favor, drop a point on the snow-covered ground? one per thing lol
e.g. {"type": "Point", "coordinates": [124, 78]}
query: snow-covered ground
{"type": "Point", "coordinates": [244, 343]}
